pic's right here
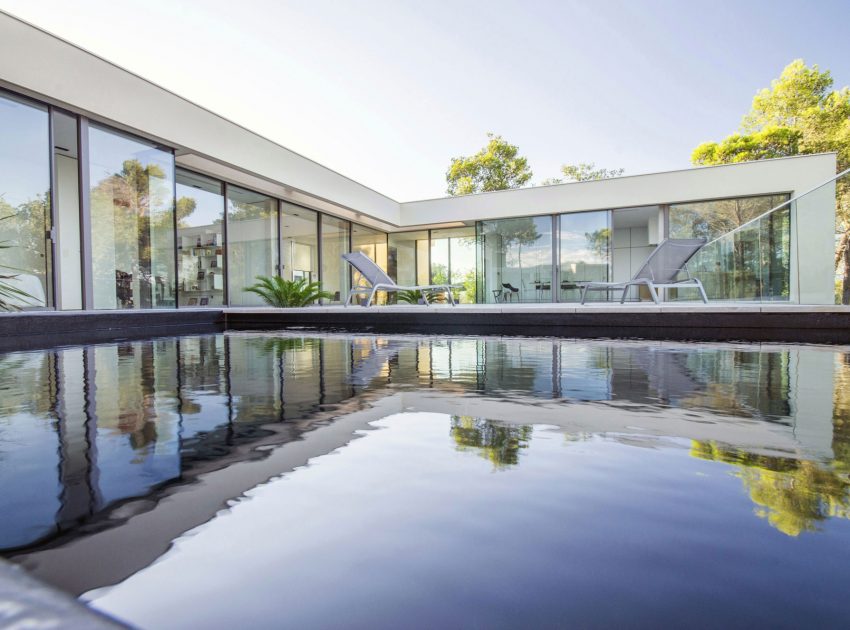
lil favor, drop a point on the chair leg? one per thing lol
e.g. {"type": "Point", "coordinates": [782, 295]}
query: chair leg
{"type": "Point", "coordinates": [653, 292]}
{"type": "Point", "coordinates": [583, 293]}
{"type": "Point", "coordinates": [623, 296]}
{"type": "Point", "coordinates": [348, 298]}
{"type": "Point", "coordinates": [451, 297]}
{"type": "Point", "coordinates": [424, 297]}
{"type": "Point", "coordinates": [702, 292]}
{"type": "Point", "coordinates": [371, 297]}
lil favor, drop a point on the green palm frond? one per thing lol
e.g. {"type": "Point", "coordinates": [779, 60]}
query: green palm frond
{"type": "Point", "coordinates": [410, 297]}
{"type": "Point", "coordinates": [10, 295]}
{"type": "Point", "coordinates": [281, 293]}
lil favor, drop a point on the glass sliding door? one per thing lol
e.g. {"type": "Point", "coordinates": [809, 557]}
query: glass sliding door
{"type": "Point", "coordinates": [299, 243]}
{"type": "Point", "coordinates": [132, 217]}
{"type": "Point", "coordinates": [584, 252]}
{"type": "Point", "coordinates": [252, 238]}
{"type": "Point", "coordinates": [24, 202]}
{"type": "Point", "coordinates": [516, 259]}
{"type": "Point", "coordinates": [407, 257]}
{"type": "Point", "coordinates": [335, 237]}
{"type": "Point", "coordinates": [200, 240]}
{"type": "Point", "coordinates": [373, 243]}
{"type": "Point", "coordinates": [453, 260]}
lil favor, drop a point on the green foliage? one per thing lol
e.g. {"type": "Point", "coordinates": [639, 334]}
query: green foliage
{"type": "Point", "coordinates": [411, 297]}
{"type": "Point", "coordinates": [599, 242]}
{"type": "Point", "coordinates": [501, 444]}
{"type": "Point", "coordinates": [770, 142]}
{"type": "Point", "coordinates": [798, 114]}
{"type": "Point", "coordinates": [287, 293]}
{"type": "Point", "coordinates": [10, 295]}
{"type": "Point", "coordinates": [583, 172]}
{"type": "Point", "coordinates": [794, 496]}
{"type": "Point", "coordinates": [497, 166]}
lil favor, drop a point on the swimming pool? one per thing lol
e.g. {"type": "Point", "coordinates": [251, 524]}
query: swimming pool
{"type": "Point", "coordinates": [337, 480]}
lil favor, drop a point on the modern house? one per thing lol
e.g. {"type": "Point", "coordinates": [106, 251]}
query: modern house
{"type": "Point", "coordinates": [118, 194]}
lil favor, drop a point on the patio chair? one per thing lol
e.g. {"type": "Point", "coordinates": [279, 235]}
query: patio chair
{"type": "Point", "coordinates": [380, 281]}
{"type": "Point", "coordinates": [659, 271]}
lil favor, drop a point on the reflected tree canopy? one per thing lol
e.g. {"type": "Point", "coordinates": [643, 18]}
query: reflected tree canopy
{"type": "Point", "coordinates": [499, 443]}
{"type": "Point", "coordinates": [795, 496]}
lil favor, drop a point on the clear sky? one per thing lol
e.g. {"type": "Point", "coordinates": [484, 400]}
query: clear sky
{"type": "Point", "coordinates": [387, 91]}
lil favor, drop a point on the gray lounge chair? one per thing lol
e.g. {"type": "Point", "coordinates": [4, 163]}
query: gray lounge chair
{"type": "Point", "coordinates": [380, 281]}
{"type": "Point", "coordinates": [659, 271]}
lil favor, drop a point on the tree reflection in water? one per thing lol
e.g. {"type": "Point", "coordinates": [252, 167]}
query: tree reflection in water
{"type": "Point", "coordinates": [499, 443]}
{"type": "Point", "coordinates": [794, 495]}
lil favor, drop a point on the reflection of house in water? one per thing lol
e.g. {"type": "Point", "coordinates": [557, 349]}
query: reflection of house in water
{"type": "Point", "coordinates": [96, 427]}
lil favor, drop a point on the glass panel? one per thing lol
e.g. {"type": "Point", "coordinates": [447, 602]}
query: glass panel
{"type": "Point", "coordinates": [453, 260]}
{"type": "Point", "coordinates": [66, 197]}
{"type": "Point", "coordinates": [751, 263]}
{"type": "Point", "coordinates": [712, 219]}
{"type": "Point", "coordinates": [24, 201]}
{"type": "Point", "coordinates": [334, 268]}
{"type": "Point", "coordinates": [585, 251]}
{"type": "Point", "coordinates": [299, 243]}
{"type": "Point", "coordinates": [374, 244]}
{"type": "Point", "coordinates": [407, 258]}
{"type": "Point", "coordinates": [251, 242]}
{"type": "Point", "coordinates": [200, 239]}
{"type": "Point", "coordinates": [132, 217]}
{"type": "Point", "coordinates": [517, 259]}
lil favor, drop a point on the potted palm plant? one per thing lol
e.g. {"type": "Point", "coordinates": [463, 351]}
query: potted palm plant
{"type": "Point", "coordinates": [281, 293]}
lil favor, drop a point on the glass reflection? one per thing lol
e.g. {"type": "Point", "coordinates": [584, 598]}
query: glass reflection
{"type": "Point", "coordinates": [200, 239]}
{"type": "Point", "coordinates": [335, 242]}
{"type": "Point", "coordinates": [517, 259]}
{"type": "Point", "coordinates": [585, 251]}
{"type": "Point", "coordinates": [132, 216]}
{"type": "Point", "coordinates": [453, 254]}
{"type": "Point", "coordinates": [251, 242]}
{"type": "Point", "coordinates": [82, 430]}
{"type": "Point", "coordinates": [24, 201]}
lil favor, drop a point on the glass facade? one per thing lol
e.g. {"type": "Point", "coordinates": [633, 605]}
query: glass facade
{"type": "Point", "coordinates": [516, 259]}
{"type": "Point", "coordinates": [299, 243]}
{"type": "Point", "coordinates": [584, 255]}
{"type": "Point", "coordinates": [252, 234]}
{"type": "Point", "coordinates": [200, 240]}
{"type": "Point", "coordinates": [744, 259]}
{"type": "Point", "coordinates": [24, 202]}
{"type": "Point", "coordinates": [132, 218]}
{"type": "Point", "coordinates": [374, 244]}
{"type": "Point", "coordinates": [143, 234]}
{"type": "Point", "coordinates": [407, 257]}
{"type": "Point", "coordinates": [711, 219]}
{"type": "Point", "coordinates": [453, 260]}
{"type": "Point", "coordinates": [335, 243]}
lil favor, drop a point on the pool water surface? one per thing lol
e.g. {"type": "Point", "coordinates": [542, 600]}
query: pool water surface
{"type": "Point", "coordinates": [327, 481]}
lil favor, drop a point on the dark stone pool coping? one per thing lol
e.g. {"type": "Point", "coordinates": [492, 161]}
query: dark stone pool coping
{"type": "Point", "coordinates": [48, 329]}
{"type": "Point", "coordinates": [677, 322]}
{"type": "Point", "coordinates": [792, 324]}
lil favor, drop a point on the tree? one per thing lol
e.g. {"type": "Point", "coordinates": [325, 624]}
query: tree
{"type": "Point", "coordinates": [583, 172]}
{"type": "Point", "coordinates": [497, 166]}
{"type": "Point", "coordinates": [798, 114]}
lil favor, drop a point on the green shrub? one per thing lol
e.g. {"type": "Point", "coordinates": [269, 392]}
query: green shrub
{"type": "Point", "coordinates": [281, 293]}
{"type": "Point", "coordinates": [7, 290]}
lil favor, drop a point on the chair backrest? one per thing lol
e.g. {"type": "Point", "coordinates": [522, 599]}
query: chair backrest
{"type": "Point", "coordinates": [368, 269]}
{"type": "Point", "coordinates": [668, 259]}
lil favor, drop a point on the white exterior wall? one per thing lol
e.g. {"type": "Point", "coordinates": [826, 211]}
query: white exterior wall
{"type": "Point", "coordinates": [786, 175]}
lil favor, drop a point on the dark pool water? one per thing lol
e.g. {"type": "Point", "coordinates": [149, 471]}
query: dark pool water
{"type": "Point", "coordinates": [338, 481]}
